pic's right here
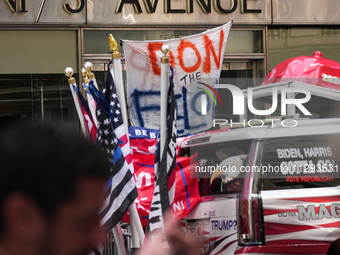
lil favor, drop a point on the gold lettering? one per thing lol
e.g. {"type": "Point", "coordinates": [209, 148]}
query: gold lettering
{"type": "Point", "coordinates": [244, 8]}
{"type": "Point", "coordinates": [80, 7]}
{"type": "Point", "coordinates": [12, 5]}
{"type": "Point", "coordinates": [204, 4]}
{"type": "Point", "coordinates": [167, 8]}
{"type": "Point", "coordinates": [40, 10]}
{"type": "Point", "coordinates": [150, 6]}
{"type": "Point", "coordinates": [219, 9]}
{"type": "Point", "coordinates": [135, 4]}
{"type": "Point", "coordinates": [22, 6]}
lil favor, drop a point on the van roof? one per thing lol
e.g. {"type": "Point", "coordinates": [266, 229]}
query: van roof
{"type": "Point", "coordinates": [276, 129]}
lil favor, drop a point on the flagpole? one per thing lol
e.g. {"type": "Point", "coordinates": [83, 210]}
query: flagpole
{"type": "Point", "coordinates": [116, 230]}
{"type": "Point", "coordinates": [116, 72]}
{"type": "Point", "coordinates": [88, 67]}
{"type": "Point", "coordinates": [72, 82]}
{"type": "Point", "coordinates": [117, 233]}
{"type": "Point", "coordinates": [84, 74]}
{"type": "Point", "coordinates": [164, 96]}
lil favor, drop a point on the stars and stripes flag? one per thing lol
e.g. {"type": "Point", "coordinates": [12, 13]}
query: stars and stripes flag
{"type": "Point", "coordinates": [119, 127]}
{"type": "Point", "coordinates": [89, 124]}
{"type": "Point", "coordinates": [121, 188]}
{"type": "Point", "coordinates": [165, 175]}
{"type": "Point", "coordinates": [92, 103]}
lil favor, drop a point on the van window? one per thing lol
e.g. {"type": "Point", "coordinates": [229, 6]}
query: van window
{"type": "Point", "coordinates": [218, 166]}
{"type": "Point", "coordinates": [301, 162]}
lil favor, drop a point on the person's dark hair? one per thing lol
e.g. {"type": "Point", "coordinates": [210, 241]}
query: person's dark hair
{"type": "Point", "coordinates": [45, 161]}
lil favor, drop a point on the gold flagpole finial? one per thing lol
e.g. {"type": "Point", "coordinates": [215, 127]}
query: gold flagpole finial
{"type": "Point", "coordinates": [84, 74]}
{"type": "Point", "coordinates": [89, 67]}
{"type": "Point", "coordinates": [69, 72]}
{"type": "Point", "coordinates": [114, 47]}
{"type": "Point", "coordinates": [165, 49]}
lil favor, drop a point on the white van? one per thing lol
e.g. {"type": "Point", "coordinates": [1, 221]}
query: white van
{"type": "Point", "coordinates": [267, 190]}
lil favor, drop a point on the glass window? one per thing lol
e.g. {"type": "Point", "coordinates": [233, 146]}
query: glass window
{"type": "Point", "coordinates": [239, 41]}
{"type": "Point", "coordinates": [285, 43]}
{"type": "Point", "coordinates": [301, 162]}
{"type": "Point", "coordinates": [245, 41]}
{"type": "Point", "coordinates": [29, 52]}
{"type": "Point", "coordinates": [36, 97]}
{"type": "Point", "coordinates": [33, 85]}
{"type": "Point", "coordinates": [96, 41]}
{"type": "Point", "coordinates": [218, 166]}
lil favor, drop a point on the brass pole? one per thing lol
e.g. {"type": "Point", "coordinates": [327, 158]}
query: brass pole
{"type": "Point", "coordinates": [114, 47]}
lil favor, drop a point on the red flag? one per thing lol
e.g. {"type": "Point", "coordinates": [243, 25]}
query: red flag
{"type": "Point", "coordinates": [90, 127]}
{"type": "Point", "coordinates": [186, 195]}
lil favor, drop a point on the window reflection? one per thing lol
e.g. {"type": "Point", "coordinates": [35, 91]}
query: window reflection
{"type": "Point", "coordinates": [239, 41]}
{"type": "Point", "coordinates": [36, 97]}
{"type": "Point", "coordinates": [285, 43]}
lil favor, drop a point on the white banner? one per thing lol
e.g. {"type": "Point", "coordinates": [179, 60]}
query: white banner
{"type": "Point", "coordinates": [197, 62]}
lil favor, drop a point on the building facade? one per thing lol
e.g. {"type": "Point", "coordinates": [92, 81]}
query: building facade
{"type": "Point", "coordinates": [39, 39]}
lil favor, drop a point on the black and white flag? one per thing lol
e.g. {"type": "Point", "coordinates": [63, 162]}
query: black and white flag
{"type": "Point", "coordinates": [165, 175]}
{"type": "Point", "coordinates": [121, 188]}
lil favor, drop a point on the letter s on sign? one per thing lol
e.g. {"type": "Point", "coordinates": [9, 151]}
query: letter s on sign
{"type": "Point", "coordinates": [80, 7]}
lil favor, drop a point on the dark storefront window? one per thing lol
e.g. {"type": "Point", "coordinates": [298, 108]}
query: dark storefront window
{"type": "Point", "coordinates": [36, 97]}
{"type": "Point", "coordinates": [239, 41]}
{"type": "Point", "coordinates": [33, 85]}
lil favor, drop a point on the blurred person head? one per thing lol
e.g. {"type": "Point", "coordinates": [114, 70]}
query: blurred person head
{"type": "Point", "coordinates": [51, 190]}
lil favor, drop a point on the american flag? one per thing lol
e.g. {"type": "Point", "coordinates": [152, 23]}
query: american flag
{"type": "Point", "coordinates": [119, 126]}
{"type": "Point", "coordinates": [165, 175]}
{"type": "Point", "coordinates": [89, 124]}
{"type": "Point", "coordinates": [92, 103]}
{"type": "Point", "coordinates": [121, 188]}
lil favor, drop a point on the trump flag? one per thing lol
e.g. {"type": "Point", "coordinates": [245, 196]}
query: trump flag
{"type": "Point", "coordinates": [143, 142]}
{"type": "Point", "coordinates": [196, 60]}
